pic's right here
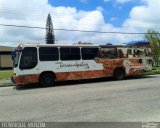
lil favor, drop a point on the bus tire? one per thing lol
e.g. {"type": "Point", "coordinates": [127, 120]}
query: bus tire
{"type": "Point", "coordinates": [47, 79]}
{"type": "Point", "coordinates": [119, 74]}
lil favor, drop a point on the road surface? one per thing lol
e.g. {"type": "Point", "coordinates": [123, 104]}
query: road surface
{"type": "Point", "coordinates": [99, 100]}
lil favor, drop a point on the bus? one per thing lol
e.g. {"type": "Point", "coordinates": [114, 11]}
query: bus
{"type": "Point", "coordinates": [47, 63]}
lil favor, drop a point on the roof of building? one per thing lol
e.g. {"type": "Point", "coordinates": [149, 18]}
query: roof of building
{"type": "Point", "coordinates": [138, 42]}
{"type": "Point", "coordinates": [6, 48]}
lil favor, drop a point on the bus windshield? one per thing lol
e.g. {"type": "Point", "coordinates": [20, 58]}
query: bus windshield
{"type": "Point", "coordinates": [16, 59]}
{"type": "Point", "coordinates": [28, 58]}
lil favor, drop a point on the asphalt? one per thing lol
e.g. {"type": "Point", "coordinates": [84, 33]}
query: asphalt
{"type": "Point", "coordinates": [130, 100]}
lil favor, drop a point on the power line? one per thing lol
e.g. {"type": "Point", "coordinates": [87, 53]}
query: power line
{"type": "Point", "coordinates": [75, 30]}
{"type": "Point", "coordinates": [20, 26]}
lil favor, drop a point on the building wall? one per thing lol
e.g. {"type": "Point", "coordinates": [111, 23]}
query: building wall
{"type": "Point", "coordinates": [5, 57]}
{"type": "Point", "coordinates": [6, 61]}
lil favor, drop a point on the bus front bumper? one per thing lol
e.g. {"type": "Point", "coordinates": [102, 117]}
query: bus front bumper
{"type": "Point", "coordinates": [25, 79]}
{"type": "Point", "coordinates": [15, 80]}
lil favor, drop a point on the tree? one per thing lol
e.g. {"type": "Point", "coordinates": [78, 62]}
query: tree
{"type": "Point", "coordinates": [50, 38]}
{"type": "Point", "coordinates": [154, 38]}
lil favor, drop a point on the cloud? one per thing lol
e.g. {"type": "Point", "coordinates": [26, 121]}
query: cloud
{"type": "Point", "coordinates": [119, 1]}
{"type": "Point", "coordinates": [100, 8]}
{"type": "Point", "coordinates": [145, 16]}
{"type": "Point", "coordinates": [123, 1]}
{"type": "Point", "coordinates": [113, 19]}
{"type": "Point", "coordinates": [106, 0]}
{"type": "Point", "coordinates": [21, 13]}
{"type": "Point", "coordinates": [34, 13]}
{"type": "Point", "coordinates": [142, 18]}
{"type": "Point", "coordinates": [84, 1]}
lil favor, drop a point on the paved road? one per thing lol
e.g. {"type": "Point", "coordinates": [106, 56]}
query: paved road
{"type": "Point", "coordinates": [94, 100]}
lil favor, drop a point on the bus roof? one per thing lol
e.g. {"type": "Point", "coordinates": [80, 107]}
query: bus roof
{"type": "Point", "coordinates": [56, 45]}
{"type": "Point", "coordinates": [65, 45]}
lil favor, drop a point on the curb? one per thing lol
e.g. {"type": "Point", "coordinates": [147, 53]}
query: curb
{"type": "Point", "coordinates": [6, 86]}
{"type": "Point", "coordinates": [5, 83]}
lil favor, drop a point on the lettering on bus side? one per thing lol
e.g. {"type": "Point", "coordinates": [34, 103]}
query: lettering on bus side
{"type": "Point", "coordinates": [77, 65]}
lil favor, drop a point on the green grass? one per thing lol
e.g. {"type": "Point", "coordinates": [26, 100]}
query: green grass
{"type": "Point", "coordinates": [156, 70]}
{"type": "Point", "coordinates": [5, 74]}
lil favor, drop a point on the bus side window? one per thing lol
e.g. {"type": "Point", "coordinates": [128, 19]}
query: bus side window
{"type": "Point", "coordinates": [129, 52]}
{"type": "Point", "coordinates": [67, 53]}
{"type": "Point", "coordinates": [48, 54]}
{"type": "Point", "coordinates": [147, 52]}
{"type": "Point", "coordinates": [89, 53]}
{"type": "Point", "coordinates": [107, 53]}
{"type": "Point", "coordinates": [120, 53]}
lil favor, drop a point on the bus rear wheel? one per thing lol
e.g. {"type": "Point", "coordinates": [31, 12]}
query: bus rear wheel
{"type": "Point", "coordinates": [119, 74]}
{"type": "Point", "coordinates": [47, 79]}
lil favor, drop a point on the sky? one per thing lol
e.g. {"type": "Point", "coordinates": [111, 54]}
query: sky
{"type": "Point", "coordinates": [132, 16]}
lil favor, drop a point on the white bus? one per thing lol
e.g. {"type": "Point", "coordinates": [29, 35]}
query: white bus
{"type": "Point", "coordinates": [45, 64]}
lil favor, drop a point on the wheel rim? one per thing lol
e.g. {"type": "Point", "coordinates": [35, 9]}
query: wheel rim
{"type": "Point", "coordinates": [47, 80]}
{"type": "Point", "coordinates": [119, 74]}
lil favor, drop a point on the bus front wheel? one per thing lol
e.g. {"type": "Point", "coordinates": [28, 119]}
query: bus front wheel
{"type": "Point", "coordinates": [47, 79]}
{"type": "Point", "coordinates": [119, 74]}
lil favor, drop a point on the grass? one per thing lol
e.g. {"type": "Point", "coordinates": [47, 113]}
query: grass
{"type": "Point", "coordinates": [156, 70]}
{"type": "Point", "coordinates": [4, 78]}
{"type": "Point", "coordinates": [5, 74]}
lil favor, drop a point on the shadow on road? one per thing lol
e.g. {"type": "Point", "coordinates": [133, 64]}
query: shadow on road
{"type": "Point", "coordinates": [75, 82]}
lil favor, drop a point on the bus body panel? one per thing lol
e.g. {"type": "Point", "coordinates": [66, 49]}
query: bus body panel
{"type": "Point", "coordinates": [85, 73]}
